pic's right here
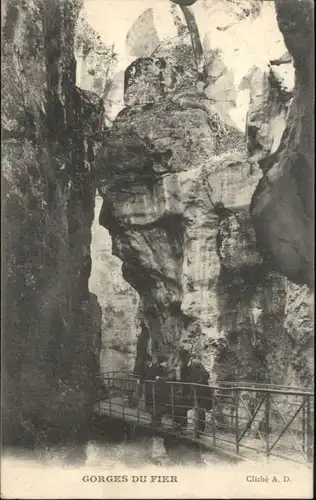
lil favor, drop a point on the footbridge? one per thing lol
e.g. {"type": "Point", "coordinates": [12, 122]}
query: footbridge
{"type": "Point", "coordinates": [247, 421]}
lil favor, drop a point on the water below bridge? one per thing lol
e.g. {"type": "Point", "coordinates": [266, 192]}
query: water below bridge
{"type": "Point", "coordinates": [118, 463]}
{"type": "Point", "coordinates": [70, 473]}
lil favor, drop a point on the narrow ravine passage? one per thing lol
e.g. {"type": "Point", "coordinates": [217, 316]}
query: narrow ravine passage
{"type": "Point", "coordinates": [156, 186]}
{"type": "Point", "coordinates": [118, 300]}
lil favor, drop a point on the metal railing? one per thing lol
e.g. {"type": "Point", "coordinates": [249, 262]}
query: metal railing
{"type": "Point", "coordinates": [243, 419]}
{"type": "Point", "coordinates": [221, 383]}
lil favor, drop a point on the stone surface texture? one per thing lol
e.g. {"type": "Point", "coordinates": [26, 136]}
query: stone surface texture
{"type": "Point", "coordinates": [177, 177]}
{"type": "Point", "coordinates": [96, 62]}
{"type": "Point", "coordinates": [51, 322]}
{"type": "Point", "coordinates": [282, 205]}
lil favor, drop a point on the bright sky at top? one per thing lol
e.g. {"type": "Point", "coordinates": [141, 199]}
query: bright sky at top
{"type": "Point", "coordinates": [244, 45]}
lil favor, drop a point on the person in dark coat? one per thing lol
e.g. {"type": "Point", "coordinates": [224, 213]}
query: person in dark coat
{"type": "Point", "coordinates": [143, 369]}
{"type": "Point", "coordinates": [193, 371]}
{"type": "Point", "coordinates": [141, 375]}
{"type": "Point", "coordinates": [155, 388]}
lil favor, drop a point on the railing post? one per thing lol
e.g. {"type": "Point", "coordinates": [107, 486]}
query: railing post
{"type": "Point", "coordinates": [196, 413]}
{"type": "Point", "coordinates": [213, 417]}
{"type": "Point", "coordinates": [309, 430]}
{"type": "Point", "coordinates": [267, 419]}
{"type": "Point", "coordinates": [154, 403]}
{"type": "Point", "coordinates": [143, 389]}
{"type": "Point", "coordinates": [109, 389]}
{"type": "Point", "coordinates": [138, 389]}
{"type": "Point", "coordinates": [237, 419]}
{"type": "Point", "coordinates": [122, 394]}
{"type": "Point", "coordinates": [172, 405]}
{"type": "Point", "coordinates": [304, 428]}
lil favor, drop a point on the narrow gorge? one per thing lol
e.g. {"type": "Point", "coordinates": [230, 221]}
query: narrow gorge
{"type": "Point", "coordinates": [157, 193]}
{"type": "Point", "coordinates": [177, 177]}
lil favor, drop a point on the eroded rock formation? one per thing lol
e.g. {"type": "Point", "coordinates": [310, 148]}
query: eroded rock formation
{"type": "Point", "coordinates": [177, 181]}
{"type": "Point", "coordinates": [282, 205]}
{"type": "Point", "coordinates": [271, 93]}
{"type": "Point", "coordinates": [95, 63]}
{"type": "Point", "coordinates": [51, 323]}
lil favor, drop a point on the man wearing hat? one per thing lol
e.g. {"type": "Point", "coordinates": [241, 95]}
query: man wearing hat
{"type": "Point", "coordinates": [156, 388]}
{"type": "Point", "coordinates": [139, 372]}
{"type": "Point", "coordinates": [193, 371]}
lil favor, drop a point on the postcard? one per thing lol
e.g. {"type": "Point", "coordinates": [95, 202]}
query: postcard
{"type": "Point", "coordinates": [157, 249]}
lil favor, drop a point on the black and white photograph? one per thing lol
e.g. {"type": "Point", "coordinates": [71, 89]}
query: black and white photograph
{"type": "Point", "coordinates": [157, 276]}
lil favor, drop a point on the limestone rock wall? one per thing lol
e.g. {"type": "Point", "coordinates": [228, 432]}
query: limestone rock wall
{"type": "Point", "coordinates": [271, 93]}
{"type": "Point", "coordinates": [51, 323]}
{"type": "Point", "coordinates": [163, 175]}
{"type": "Point", "coordinates": [95, 63]}
{"type": "Point", "coordinates": [229, 32]}
{"type": "Point", "coordinates": [285, 229]}
{"type": "Point", "coordinates": [118, 300]}
{"type": "Point", "coordinates": [177, 178]}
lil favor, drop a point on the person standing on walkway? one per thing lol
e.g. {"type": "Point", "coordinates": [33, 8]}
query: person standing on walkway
{"type": "Point", "coordinates": [155, 381]}
{"type": "Point", "coordinates": [141, 376]}
{"type": "Point", "coordinates": [193, 371]}
{"type": "Point", "coordinates": [161, 389]}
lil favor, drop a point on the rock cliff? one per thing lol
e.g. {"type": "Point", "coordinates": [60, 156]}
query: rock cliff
{"type": "Point", "coordinates": [177, 177]}
{"type": "Point", "coordinates": [96, 62]}
{"type": "Point", "coordinates": [118, 300]}
{"type": "Point", "coordinates": [51, 323]}
{"type": "Point", "coordinates": [282, 205]}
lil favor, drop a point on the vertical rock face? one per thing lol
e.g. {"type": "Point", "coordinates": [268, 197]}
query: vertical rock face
{"type": "Point", "coordinates": [51, 323]}
{"type": "Point", "coordinates": [168, 176]}
{"type": "Point", "coordinates": [271, 93]}
{"type": "Point", "coordinates": [95, 62]}
{"type": "Point", "coordinates": [282, 205]}
{"type": "Point", "coordinates": [118, 301]}
{"type": "Point", "coordinates": [177, 181]}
